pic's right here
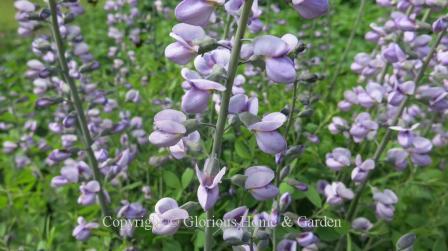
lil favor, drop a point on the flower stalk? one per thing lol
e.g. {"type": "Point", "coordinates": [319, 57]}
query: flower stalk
{"type": "Point", "coordinates": [223, 112]}
{"type": "Point", "coordinates": [77, 103]}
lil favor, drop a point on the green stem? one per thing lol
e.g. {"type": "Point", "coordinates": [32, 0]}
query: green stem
{"type": "Point", "coordinates": [82, 121]}
{"type": "Point", "coordinates": [347, 48]}
{"type": "Point", "coordinates": [223, 112]}
{"type": "Point", "coordinates": [380, 149]}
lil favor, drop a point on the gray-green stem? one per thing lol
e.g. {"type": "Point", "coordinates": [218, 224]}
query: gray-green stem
{"type": "Point", "coordinates": [380, 149]}
{"type": "Point", "coordinates": [82, 121]}
{"type": "Point", "coordinates": [223, 112]}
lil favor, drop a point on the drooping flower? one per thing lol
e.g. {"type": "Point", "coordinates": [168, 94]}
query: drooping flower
{"type": "Point", "coordinates": [89, 192]}
{"type": "Point", "coordinates": [185, 48]}
{"type": "Point", "coordinates": [195, 100]}
{"type": "Point", "coordinates": [208, 191]}
{"type": "Point", "coordinates": [362, 224]}
{"type": "Point", "coordinates": [167, 217]}
{"type": "Point", "coordinates": [310, 9]}
{"type": "Point", "coordinates": [83, 230]}
{"type": "Point", "coordinates": [241, 103]}
{"type": "Point", "coordinates": [196, 12]}
{"type": "Point", "coordinates": [336, 193]}
{"type": "Point", "coordinates": [205, 64]}
{"type": "Point", "coordinates": [385, 204]}
{"type": "Point", "coordinates": [259, 182]}
{"type": "Point", "coordinates": [269, 140]}
{"type": "Point", "coordinates": [169, 128]}
{"type": "Point", "coordinates": [274, 50]}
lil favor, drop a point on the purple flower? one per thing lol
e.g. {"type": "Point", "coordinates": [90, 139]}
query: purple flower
{"type": "Point", "coordinates": [131, 210]}
{"type": "Point", "coordinates": [362, 224]}
{"type": "Point", "coordinates": [362, 169]}
{"type": "Point", "coordinates": [338, 125]}
{"type": "Point", "coordinates": [287, 245]}
{"type": "Point", "coordinates": [398, 157]}
{"type": "Point", "coordinates": [167, 217]}
{"type": "Point", "coordinates": [241, 103]}
{"type": "Point", "coordinates": [269, 140]}
{"type": "Point", "coordinates": [59, 155]}
{"type": "Point", "coordinates": [89, 191]}
{"type": "Point", "coordinates": [208, 190]}
{"type": "Point", "coordinates": [399, 92]}
{"type": "Point", "coordinates": [169, 128]}
{"type": "Point", "coordinates": [336, 193]}
{"type": "Point", "coordinates": [311, 8]}
{"type": "Point", "coordinates": [385, 204]}
{"type": "Point", "coordinates": [185, 48]}
{"type": "Point", "coordinates": [259, 182]}
{"type": "Point", "coordinates": [83, 230]}
{"type": "Point", "coordinates": [285, 201]}
{"type": "Point", "coordinates": [179, 150]}
{"type": "Point", "coordinates": [9, 147]}
{"type": "Point", "coordinates": [205, 64]}
{"type": "Point", "coordinates": [235, 224]}
{"type": "Point", "coordinates": [279, 67]}
{"type": "Point", "coordinates": [196, 12]}
{"type": "Point", "coordinates": [440, 24]}
{"type": "Point", "coordinates": [363, 127]}
{"type": "Point", "coordinates": [405, 135]}
{"type": "Point", "coordinates": [306, 239]}
{"type": "Point", "coordinates": [71, 172]}
{"type": "Point", "coordinates": [198, 91]}
{"type": "Point", "coordinates": [393, 53]}
{"type": "Point", "coordinates": [338, 158]}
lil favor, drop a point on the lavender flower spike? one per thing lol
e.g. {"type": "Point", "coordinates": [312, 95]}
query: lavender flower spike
{"type": "Point", "coordinates": [269, 140]}
{"type": "Point", "coordinates": [259, 182]}
{"type": "Point", "coordinates": [208, 191]}
{"type": "Point", "coordinates": [167, 217]}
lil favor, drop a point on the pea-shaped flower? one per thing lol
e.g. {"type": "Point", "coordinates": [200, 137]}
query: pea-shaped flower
{"type": "Point", "coordinates": [385, 204]}
{"type": "Point", "coordinates": [259, 182]}
{"type": "Point", "coordinates": [198, 92]}
{"type": "Point", "coordinates": [185, 48]}
{"type": "Point", "coordinates": [311, 8]}
{"type": "Point", "coordinates": [274, 50]}
{"type": "Point", "coordinates": [362, 169]}
{"type": "Point", "coordinates": [83, 230]}
{"type": "Point", "coordinates": [167, 217]}
{"type": "Point", "coordinates": [269, 140]}
{"type": "Point", "coordinates": [208, 190]}
{"type": "Point", "coordinates": [131, 210]}
{"type": "Point", "coordinates": [336, 193]}
{"type": "Point", "coordinates": [338, 158]}
{"type": "Point", "coordinates": [205, 64]}
{"type": "Point", "coordinates": [169, 128]}
{"type": "Point", "coordinates": [235, 224]}
{"type": "Point", "coordinates": [196, 12]}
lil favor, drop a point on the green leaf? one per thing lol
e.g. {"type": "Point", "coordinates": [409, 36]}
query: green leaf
{"type": "Point", "coordinates": [171, 180]}
{"type": "Point", "coordinates": [242, 150]}
{"type": "Point", "coordinates": [440, 245]}
{"type": "Point", "coordinates": [313, 196]}
{"type": "Point", "coordinates": [187, 177]}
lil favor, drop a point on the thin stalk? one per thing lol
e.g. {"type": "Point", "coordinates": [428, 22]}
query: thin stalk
{"type": "Point", "coordinates": [293, 107]}
{"type": "Point", "coordinates": [223, 112]}
{"type": "Point", "coordinates": [354, 203]}
{"type": "Point", "coordinates": [348, 47]}
{"type": "Point", "coordinates": [82, 121]}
